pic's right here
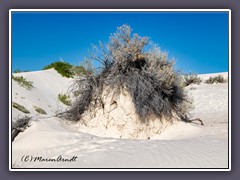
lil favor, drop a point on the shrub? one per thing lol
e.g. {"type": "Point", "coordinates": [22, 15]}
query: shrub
{"type": "Point", "coordinates": [133, 63]}
{"type": "Point", "coordinates": [191, 79]}
{"type": "Point", "coordinates": [64, 99]}
{"type": "Point", "coordinates": [216, 79]}
{"type": "Point", "coordinates": [69, 70]}
{"type": "Point", "coordinates": [62, 68]}
{"type": "Point", "coordinates": [23, 82]}
{"type": "Point", "coordinates": [39, 110]}
{"type": "Point", "coordinates": [19, 126]}
{"type": "Point", "coordinates": [20, 107]}
{"type": "Point", "coordinates": [77, 70]}
{"type": "Point", "coordinates": [85, 68]}
{"type": "Point", "coordinates": [19, 71]}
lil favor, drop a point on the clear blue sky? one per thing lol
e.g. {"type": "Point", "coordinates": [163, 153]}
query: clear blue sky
{"type": "Point", "coordinates": [197, 40]}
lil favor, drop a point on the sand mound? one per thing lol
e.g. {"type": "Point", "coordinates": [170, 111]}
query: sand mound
{"type": "Point", "coordinates": [118, 118]}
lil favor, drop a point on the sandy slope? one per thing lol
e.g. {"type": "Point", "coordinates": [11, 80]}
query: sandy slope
{"type": "Point", "coordinates": [206, 76]}
{"type": "Point", "coordinates": [180, 146]}
{"type": "Point", "coordinates": [46, 87]}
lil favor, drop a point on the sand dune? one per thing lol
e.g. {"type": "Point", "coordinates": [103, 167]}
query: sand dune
{"type": "Point", "coordinates": [179, 146]}
{"type": "Point", "coordinates": [46, 87]}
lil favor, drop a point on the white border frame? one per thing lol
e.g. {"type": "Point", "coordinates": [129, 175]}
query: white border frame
{"type": "Point", "coordinates": [119, 10]}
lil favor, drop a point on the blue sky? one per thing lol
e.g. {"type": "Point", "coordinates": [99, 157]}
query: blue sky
{"type": "Point", "coordinates": [198, 41]}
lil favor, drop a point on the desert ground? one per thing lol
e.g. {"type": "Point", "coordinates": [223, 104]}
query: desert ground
{"type": "Point", "coordinates": [181, 145]}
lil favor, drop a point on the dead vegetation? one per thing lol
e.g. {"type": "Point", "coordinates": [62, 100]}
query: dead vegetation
{"type": "Point", "coordinates": [19, 126]}
{"type": "Point", "coordinates": [191, 79]}
{"type": "Point", "coordinates": [137, 65]}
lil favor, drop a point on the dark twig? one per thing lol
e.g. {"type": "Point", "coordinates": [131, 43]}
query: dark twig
{"type": "Point", "coordinates": [19, 126]}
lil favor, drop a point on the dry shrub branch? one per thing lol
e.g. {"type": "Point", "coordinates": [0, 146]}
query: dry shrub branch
{"type": "Point", "coordinates": [135, 64]}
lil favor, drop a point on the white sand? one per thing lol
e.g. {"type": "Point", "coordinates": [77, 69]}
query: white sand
{"type": "Point", "coordinates": [179, 146]}
{"type": "Point", "coordinates": [47, 85]}
{"type": "Point", "coordinates": [206, 76]}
